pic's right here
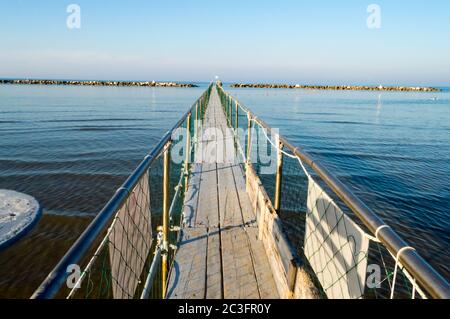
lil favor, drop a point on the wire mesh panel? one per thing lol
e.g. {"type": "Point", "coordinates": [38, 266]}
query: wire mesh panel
{"type": "Point", "coordinates": [130, 241]}
{"type": "Point", "coordinates": [242, 136]}
{"type": "Point", "coordinates": [335, 246]}
{"type": "Point", "coordinates": [119, 265]}
{"type": "Point", "coordinates": [293, 200]}
{"type": "Point", "coordinates": [263, 156]}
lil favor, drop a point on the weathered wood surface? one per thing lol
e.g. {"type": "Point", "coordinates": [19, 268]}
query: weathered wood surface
{"type": "Point", "coordinates": [292, 281]}
{"type": "Point", "coordinates": [219, 255]}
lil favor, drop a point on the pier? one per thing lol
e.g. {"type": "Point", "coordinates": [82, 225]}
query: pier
{"type": "Point", "coordinates": [219, 255]}
{"type": "Point", "coordinates": [215, 225]}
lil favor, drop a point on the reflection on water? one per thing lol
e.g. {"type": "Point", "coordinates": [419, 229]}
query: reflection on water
{"type": "Point", "coordinates": [379, 106]}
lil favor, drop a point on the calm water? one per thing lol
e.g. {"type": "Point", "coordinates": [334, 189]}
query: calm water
{"type": "Point", "coordinates": [71, 147]}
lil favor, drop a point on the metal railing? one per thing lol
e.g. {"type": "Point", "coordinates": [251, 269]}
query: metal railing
{"type": "Point", "coordinates": [293, 169]}
{"type": "Point", "coordinates": [127, 250]}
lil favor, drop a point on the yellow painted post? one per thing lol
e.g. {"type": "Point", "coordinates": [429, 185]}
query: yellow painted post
{"type": "Point", "coordinates": [249, 136]}
{"type": "Point", "coordinates": [188, 153]}
{"type": "Point", "coordinates": [196, 122]}
{"type": "Point", "coordinates": [230, 112]}
{"type": "Point", "coordinates": [237, 116]}
{"type": "Point", "coordinates": [166, 221]}
{"type": "Point", "coordinates": [228, 109]}
{"type": "Point", "coordinates": [279, 177]}
{"type": "Point", "coordinates": [226, 106]}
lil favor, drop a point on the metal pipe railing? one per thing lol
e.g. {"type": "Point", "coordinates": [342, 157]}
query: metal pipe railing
{"type": "Point", "coordinates": [56, 278]}
{"type": "Point", "coordinates": [151, 273]}
{"type": "Point", "coordinates": [166, 199]}
{"type": "Point", "coordinates": [426, 276]}
{"type": "Point", "coordinates": [278, 179]}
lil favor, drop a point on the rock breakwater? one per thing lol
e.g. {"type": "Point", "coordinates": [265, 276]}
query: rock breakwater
{"type": "Point", "coordinates": [98, 83]}
{"type": "Point", "coordinates": [338, 87]}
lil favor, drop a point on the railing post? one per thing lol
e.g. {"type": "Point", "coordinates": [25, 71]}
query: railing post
{"type": "Point", "coordinates": [196, 122]}
{"type": "Point", "coordinates": [224, 99]}
{"type": "Point", "coordinates": [249, 136]}
{"type": "Point", "coordinates": [201, 109]}
{"type": "Point", "coordinates": [237, 116]}
{"type": "Point", "coordinates": [200, 106]}
{"type": "Point", "coordinates": [227, 106]}
{"type": "Point", "coordinates": [279, 175]}
{"type": "Point", "coordinates": [188, 152]}
{"type": "Point", "coordinates": [166, 203]}
{"type": "Point", "coordinates": [230, 120]}
{"type": "Point", "coordinates": [228, 109]}
{"type": "Point", "coordinates": [204, 109]}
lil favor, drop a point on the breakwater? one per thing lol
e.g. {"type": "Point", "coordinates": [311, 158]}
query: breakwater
{"type": "Point", "coordinates": [337, 87]}
{"type": "Point", "coordinates": [98, 83]}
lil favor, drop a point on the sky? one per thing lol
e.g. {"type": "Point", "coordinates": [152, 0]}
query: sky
{"type": "Point", "coordinates": [294, 41]}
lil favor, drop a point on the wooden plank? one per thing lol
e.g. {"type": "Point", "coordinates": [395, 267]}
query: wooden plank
{"type": "Point", "coordinates": [266, 218]}
{"type": "Point", "coordinates": [188, 275]}
{"type": "Point", "coordinates": [208, 207]}
{"type": "Point", "coordinates": [228, 153]}
{"type": "Point", "coordinates": [239, 279]}
{"type": "Point", "coordinates": [214, 266]}
{"type": "Point", "coordinates": [248, 213]}
{"type": "Point", "coordinates": [229, 207]}
{"type": "Point", "coordinates": [286, 252]}
{"type": "Point", "coordinates": [264, 276]}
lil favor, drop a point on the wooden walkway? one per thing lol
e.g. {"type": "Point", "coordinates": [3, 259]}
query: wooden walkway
{"type": "Point", "coordinates": [219, 255]}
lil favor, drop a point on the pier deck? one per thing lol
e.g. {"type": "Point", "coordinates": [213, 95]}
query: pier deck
{"type": "Point", "coordinates": [219, 255]}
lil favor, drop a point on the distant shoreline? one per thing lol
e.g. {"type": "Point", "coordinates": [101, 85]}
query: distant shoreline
{"type": "Point", "coordinates": [337, 87]}
{"type": "Point", "coordinates": [98, 83]}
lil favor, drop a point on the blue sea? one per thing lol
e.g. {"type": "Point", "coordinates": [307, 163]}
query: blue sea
{"type": "Point", "coordinates": [71, 148]}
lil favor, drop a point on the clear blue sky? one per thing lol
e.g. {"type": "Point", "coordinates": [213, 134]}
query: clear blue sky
{"type": "Point", "coordinates": [253, 40]}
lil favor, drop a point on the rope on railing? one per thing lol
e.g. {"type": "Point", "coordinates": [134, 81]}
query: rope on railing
{"type": "Point", "coordinates": [397, 261]}
{"type": "Point", "coordinates": [284, 152]}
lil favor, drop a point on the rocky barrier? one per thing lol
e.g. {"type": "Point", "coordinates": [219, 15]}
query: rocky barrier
{"type": "Point", "coordinates": [337, 87]}
{"type": "Point", "coordinates": [98, 83]}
